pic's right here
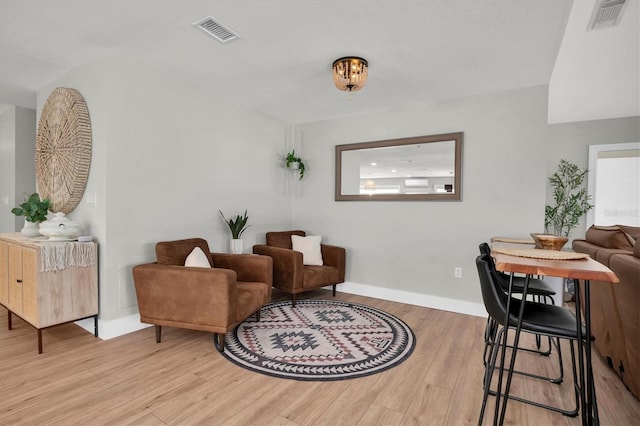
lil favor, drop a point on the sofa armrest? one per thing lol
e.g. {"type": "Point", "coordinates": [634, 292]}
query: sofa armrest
{"type": "Point", "coordinates": [334, 256]}
{"type": "Point", "coordinates": [185, 295]}
{"type": "Point", "coordinates": [248, 267]}
{"type": "Point", "coordinates": [287, 265]}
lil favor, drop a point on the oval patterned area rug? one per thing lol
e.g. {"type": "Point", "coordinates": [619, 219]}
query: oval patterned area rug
{"type": "Point", "coordinates": [320, 340]}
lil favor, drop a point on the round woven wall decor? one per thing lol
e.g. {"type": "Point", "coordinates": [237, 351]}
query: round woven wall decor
{"type": "Point", "coordinates": [63, 149]}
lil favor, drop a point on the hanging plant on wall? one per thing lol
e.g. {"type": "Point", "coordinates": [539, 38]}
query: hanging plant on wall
{"type": "Point", "coordinates": [292, 162]}
{"type": "Point", "coordinates": [570, 197]}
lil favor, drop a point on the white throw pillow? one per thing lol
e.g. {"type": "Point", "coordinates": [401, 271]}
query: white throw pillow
{"type": "Point", "coordinates": [310, 248]}
{"type": "Point", "coordinates": [197, 259]}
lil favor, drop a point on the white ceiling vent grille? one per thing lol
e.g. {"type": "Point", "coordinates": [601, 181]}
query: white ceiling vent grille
{"type": "Point", "coordinates": [606, 13]}
{"type": "Point", "coordinates": [215, 29]}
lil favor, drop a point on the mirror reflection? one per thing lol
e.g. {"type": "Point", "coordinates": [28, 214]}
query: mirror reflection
{"type": "Point", "coordinates": [420, 168]}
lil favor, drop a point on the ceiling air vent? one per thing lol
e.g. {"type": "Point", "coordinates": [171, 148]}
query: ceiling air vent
{"type": "Point", "coordinates": [215, 29]}
{"type": "Point", "coordinates": [606, 13]}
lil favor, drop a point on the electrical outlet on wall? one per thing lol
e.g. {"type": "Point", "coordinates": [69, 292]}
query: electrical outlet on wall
{"type": "Point", "coordinates": [457, 272]}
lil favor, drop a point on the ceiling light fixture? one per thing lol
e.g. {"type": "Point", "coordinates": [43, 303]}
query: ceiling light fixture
{"type": "Point", "coordinates": [350, 73]}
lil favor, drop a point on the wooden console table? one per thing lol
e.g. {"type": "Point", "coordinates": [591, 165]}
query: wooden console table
{"type": "Point", "coordinates": [48, 283]}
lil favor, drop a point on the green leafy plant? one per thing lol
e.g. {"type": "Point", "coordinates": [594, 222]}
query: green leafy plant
{"type": "Point", "coordinates": [237, 225]}
{"type": "Point", "coordinates": [571, 199]}
{"type": "Point", "coordinates": [292, 158]}
{"type": "Point", "coordinates": [33, 209]}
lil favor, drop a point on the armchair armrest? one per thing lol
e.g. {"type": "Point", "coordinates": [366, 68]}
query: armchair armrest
{"type": "Point", "coordinates": [334, 256]}
{"type": "Point", "coordinates": [248, 267]}
{"type": "Point", "coordinates": [287, 265]}
{"type": "Point", "coordinates": [177, 294]}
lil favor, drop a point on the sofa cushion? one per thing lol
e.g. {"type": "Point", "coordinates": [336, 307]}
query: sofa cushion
{"type": "Point", "coordinates": [634, 231]}
{"type": "Point", "coordinates": [197, 259]}
{"type": "Point", "coordinates": [609, 237]}
{"type": "Point", "coordinates": [582, 246]}
{"type": "Point", "coordinates": [309, 247]}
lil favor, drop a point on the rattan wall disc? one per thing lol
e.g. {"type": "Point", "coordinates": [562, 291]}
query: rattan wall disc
{"type": "Point", "coordinates": [63, 149]}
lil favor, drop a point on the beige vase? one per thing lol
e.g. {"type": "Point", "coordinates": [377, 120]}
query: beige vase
{"type": "Point", "coordinates": [30, 229]}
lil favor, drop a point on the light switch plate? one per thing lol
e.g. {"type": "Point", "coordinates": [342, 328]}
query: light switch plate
{"type": "Point", "coordinates": [91, 199]}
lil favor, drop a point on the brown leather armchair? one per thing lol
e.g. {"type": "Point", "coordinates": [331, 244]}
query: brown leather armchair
{"type": "Point", "coordinates": [289, 273]}
{"type": "Point", "coordinates": [200, 298]}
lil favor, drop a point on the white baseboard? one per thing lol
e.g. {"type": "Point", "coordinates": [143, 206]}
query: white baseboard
{"type": "Point", "coordinates": [418, 299]}
{"type": "Point", "coordinates": [124, 325]}
{"type": "Point", "coordinates": [114, 328]}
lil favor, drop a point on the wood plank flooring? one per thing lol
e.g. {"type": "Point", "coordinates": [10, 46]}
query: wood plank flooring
{"type": "Point", "coordinates": [81, 380]}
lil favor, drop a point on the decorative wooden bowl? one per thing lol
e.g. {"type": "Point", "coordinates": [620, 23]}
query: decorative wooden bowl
{"type": "Point", "coordinates": [549, 241]}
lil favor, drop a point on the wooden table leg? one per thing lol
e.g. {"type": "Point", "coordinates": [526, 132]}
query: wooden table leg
{"type": "Point", "coordinates": [9, 320]}
{"type": "Point", "coordinates": [39, 341]}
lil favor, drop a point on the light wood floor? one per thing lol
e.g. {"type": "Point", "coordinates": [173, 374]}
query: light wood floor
{"type": "Point", "coordinates": [183, 380]}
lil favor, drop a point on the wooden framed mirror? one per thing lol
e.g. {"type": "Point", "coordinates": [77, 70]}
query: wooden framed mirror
{"type": "Point", "coordinates": [422, 168]}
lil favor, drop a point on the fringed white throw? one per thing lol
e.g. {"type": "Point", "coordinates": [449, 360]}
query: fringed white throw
{"type": "Point", "coordinates": [56, 256]}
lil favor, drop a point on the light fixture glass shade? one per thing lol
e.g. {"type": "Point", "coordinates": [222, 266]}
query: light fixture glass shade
{"type": "Point", "coordinates": [350, 73]}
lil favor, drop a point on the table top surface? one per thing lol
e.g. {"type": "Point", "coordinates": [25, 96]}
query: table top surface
{"type": "Point", "coordinates": [585, 269]}
{"type": "Point", "coordinates": [20, 238]}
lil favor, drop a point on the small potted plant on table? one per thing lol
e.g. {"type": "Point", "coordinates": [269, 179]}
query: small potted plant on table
{"type": "Point", "coordinates": [34, 211]}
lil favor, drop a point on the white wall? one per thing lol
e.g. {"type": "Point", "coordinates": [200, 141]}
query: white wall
{"type": "Point", "coordinates": [17, 168]}
{"type": "Point", "coordinates": [166, 157]}
{"type": "Point", "coordinates": [597, 73]}
{"type": "Point", "coordinates": [572, 140]}
{"type": "Point", "coordinates": [509, 151]}
{"type": "Point", "coordinates": [7, 169]}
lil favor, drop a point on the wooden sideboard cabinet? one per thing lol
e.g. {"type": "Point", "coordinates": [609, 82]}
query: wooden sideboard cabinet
{"type": "Point", "coordinates": [46, 298]}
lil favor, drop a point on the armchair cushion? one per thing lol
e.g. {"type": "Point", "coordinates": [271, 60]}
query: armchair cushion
{"type": "Point", "coordinates": [320, 276]}
{"type": "Point", "coordinates": [176, 252]}
{"type": "Point", "coordinates": [309, 247]}
{"type": "Point", "coordinates": [282, 239]}
{"type": "Point", "coordinates": [197, 259]}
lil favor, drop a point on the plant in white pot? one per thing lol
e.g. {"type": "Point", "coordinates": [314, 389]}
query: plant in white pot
{"type": "Point", "coordinates": [237, 226]}
{"type": "Point", "coordinates": [294, 162]}
{"type": "Point", "coordinates": [34, 211]}
{"type": "Point", "coordinates": [571, 200]}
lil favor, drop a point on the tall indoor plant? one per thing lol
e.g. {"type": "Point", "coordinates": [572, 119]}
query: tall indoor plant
{"type": "Point", "coordinates": [34, 211]}
{"type": "Point", "coordinates": [237, 226]}
{"type": "Point", "coordinates": [571, 200]}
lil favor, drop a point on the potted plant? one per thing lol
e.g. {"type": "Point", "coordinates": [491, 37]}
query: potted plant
{"type": "Point", "coordinates": [570, 197]}
{"type": "Point", "coordinates": [294, 163]}
{"type": "Point", "coordinates": [237, 227]}
{"type": "Point", "coordinates": [34, 211]}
